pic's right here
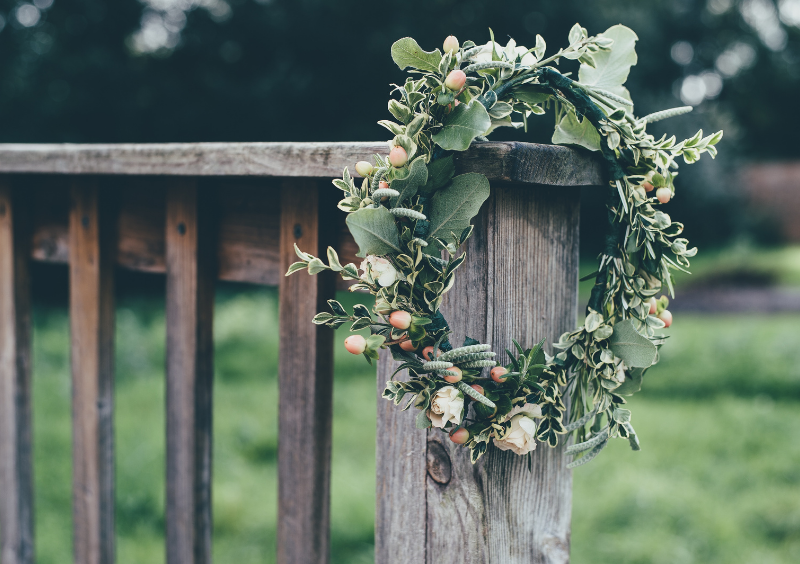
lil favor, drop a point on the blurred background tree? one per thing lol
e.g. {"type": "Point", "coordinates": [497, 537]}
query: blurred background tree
{"type": "Point", "coordinates": [311, 70]}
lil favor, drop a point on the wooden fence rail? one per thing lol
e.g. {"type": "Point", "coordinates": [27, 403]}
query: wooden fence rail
{"type": "Point", "coordinates": [233, 211]}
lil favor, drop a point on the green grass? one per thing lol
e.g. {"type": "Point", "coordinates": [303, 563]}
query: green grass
{"type": "Point", "coordinates": [717, 481]}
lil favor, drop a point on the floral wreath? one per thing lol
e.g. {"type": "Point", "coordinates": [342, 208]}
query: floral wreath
{"type": "Point", "coordinates": [410, 210]}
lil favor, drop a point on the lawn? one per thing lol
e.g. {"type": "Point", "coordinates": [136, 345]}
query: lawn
{"type": "Point", "coordinates": [717, 481]}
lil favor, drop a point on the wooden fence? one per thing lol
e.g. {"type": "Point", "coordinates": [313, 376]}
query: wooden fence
{"type": "Point", "coordinates": [233, 211]}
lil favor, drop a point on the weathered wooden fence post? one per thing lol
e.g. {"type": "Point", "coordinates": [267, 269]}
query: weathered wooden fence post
{"type": "Point", "coordinates": [520, 282]}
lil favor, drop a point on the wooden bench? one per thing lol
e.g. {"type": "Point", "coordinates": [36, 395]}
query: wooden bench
{"type": "Point", "coordinates": [233, 211]}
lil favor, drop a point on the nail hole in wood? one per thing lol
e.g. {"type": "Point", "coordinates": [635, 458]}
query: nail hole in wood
{"type": "Point", "coordinates": [182, 228]}
{"type": "Point", "coordinates": [298, 230]}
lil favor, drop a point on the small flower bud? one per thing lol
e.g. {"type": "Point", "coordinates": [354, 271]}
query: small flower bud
{"type": "Point", "coordinates": [355, 344]}
{"type": "Point", "coordinates": [455, 80]}
{"type": "Point", "coordinates": [400, 319]}
{"type": "Point", "coordinates": [364, 168]}
{"type": "Point", "coordinates": [398, 157]}
{"type": "Point", "coordinates": [450, 44]}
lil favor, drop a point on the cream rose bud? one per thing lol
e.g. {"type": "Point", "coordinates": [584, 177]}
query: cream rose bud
{"type": "Point", "coordinates": [520, 436]}
{"type": "Point", "coordinates": [455, 80]}
{"type": "Point", "coordinates": [363, 168]}
{"type": "Point", "coordinates": [450, 44]}
{"type": "Point", "coordinates": [446, 406]}
{"type": "Point", "coordinates": [378, 269]}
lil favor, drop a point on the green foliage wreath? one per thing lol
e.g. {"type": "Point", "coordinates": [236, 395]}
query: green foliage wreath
{"type": "Point", "coordinates": [410, 210]}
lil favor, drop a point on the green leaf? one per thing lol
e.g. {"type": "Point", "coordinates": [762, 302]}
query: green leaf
{"type": "Point", "coordinates": [422, 421]}
{"type": "Point", "coordinates": [440, 172]}
{"type": "Point", "coordinates": [375, 341]}
{"type": "Point", "coordinates": [462, 125]}
{"type": "Point", "coordinates": [626, 343]}
{"type": "Point", "coordinates": [531, 94]}
{"type": "Point", "coordinates": [453, 208]}
{"type": "Point", "coordinates": [407, 53]}
{"type": "Point", "coordinates": [612, 66]}
{"type": "Point", "coordinates": [375, 231]}
{"type": "Point", "coordinates": [408, 186]}
{"type": "Point", "coordinates": [570, 131]}
{"type": "Point", "coordinates": [632, 383]}
{"type": "Point", "coordinates": [295, 267]}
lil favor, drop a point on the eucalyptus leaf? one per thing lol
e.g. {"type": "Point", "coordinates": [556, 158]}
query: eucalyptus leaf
{"type": "Point", "coordinates": [440, 172]}
{"type": "Point", "coordinates": [611, 67]}
{"type": "Point", "coordinates": [632, 383]}
{"type": "Point", "coordinates": [453, 208]}
{"type": "Point", "coordinates": [462, 126]}
{"type": "Point", "coordinates": [571, 131]}
{"type": "Point", "coordinates": [634, 349]}
{"type": "Point", "coordinates": [375, 231]}
{"type": "Point", "coordinates": [407, 53]}
{"type": "Point", "coordinates": [408, 186]}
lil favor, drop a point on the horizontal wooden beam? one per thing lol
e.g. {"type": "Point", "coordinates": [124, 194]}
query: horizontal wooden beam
{"type": "Point", "coordinates": [527, 163]}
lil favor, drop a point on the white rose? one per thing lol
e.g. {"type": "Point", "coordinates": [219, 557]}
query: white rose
{"type": "Point", "coordinates": [447, 405]}
{"type": "Point", "coordinates": [520, 436]}
{"type": "Point", "coordinates": [380, 269]}
{"type": "Point", "coordinates": [485, 54]}
{"type": "Point", "coordinates": [529, 409]}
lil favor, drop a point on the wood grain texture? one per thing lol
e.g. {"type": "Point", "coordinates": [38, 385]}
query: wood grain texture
{"type": "Point", "coordinates": [190, 231]}
{"type": "Point", "coordinates": [247, 216]}
{"type": "Point", "coordinates": [305, 380]}
{"type": "Point", "coordinates": [16, 472]}
{"type": "Point", "coordinates": [400, 510]}
{"type": "Point", "coordinates": [496, 511]}
{"type": "Point", "coordinates": [504, 161]}
{"type": "Point", "coordinates": [91, 282]}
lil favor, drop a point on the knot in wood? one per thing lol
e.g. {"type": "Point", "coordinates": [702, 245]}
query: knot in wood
{"type": "Point", "coordinates": [298, 230]}
{"type": "Point", "coordinates": [182, 229]}
{"type": "Point", "coordinates": [439, 467]}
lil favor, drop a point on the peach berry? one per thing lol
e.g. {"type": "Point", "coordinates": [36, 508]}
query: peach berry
{"type": "Point", "coordinates": [478, 388]}
{"type": "Point", "coordinates": [498, 374]}
{"type": "Point", "coordinates": [459, 435]}
{"type": "Point", "coordinates": [383, 185]}
{"type": "Point", "coordinates": [450, 44]}
{"type": "Point", "coordinates": [666, 317]}
{"type": "Point", "coordinates": [398, 157]}
{"type": "Point", "coordinates": [454, 379]}
{"type": "Point", "coordinates": [663, 194]}
{"type": "Point", "coordinates": [363, 168]}
{"type": "Point", "coordinates": [455, 80]}
{"type": "Point", "coordinates": [355, 344]}
{"type": "Point", "coordinates": [400, 319]}
{"type": "Point", "coordinates": [407, 345]}
{"type": "Point", "coordinates": [653, 306]}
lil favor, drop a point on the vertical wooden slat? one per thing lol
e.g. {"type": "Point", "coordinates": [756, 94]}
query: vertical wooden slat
{"type": "Point", "coordinates": [190, 371]}
{"type": "Point", "coordinates": [92, 342]}
{"type": "Point", "coordinates": [16, 473]}
{"type": "Point", "coordinates": [520, 281]}
{"type": "Point", "coordinates": [305, 377]}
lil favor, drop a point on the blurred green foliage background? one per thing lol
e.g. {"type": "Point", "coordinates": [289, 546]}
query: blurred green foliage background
{"type": "Point", "coordinates": [718, 480]}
